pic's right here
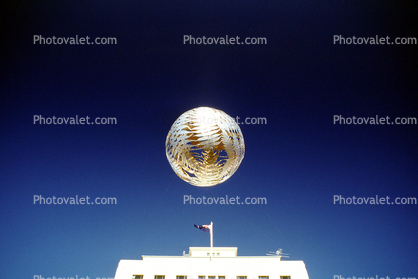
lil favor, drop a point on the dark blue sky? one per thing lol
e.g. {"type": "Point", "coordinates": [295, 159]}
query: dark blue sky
{"type": "Point", "coordinates": [299, 160]}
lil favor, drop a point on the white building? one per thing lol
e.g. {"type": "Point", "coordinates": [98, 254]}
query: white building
{"type": "Point", "coordinates": [198, 264]}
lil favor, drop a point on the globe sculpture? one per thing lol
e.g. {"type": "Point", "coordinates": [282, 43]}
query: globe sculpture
{"type": "Point", "coordinates": [205, 146]}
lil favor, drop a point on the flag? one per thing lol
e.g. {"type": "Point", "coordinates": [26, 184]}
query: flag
{"type": "Point", "coordinates": [205, 228]}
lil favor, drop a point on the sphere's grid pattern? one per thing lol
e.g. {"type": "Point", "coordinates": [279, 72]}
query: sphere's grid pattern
{"type": "Point", "coordinates": [205, 146]}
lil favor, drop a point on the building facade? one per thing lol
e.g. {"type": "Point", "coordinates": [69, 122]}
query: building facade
{"type": "Point", "coordinates": [207, 263]}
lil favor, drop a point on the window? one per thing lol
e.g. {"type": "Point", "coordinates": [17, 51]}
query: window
{"type": "Point", "coordinates": [243, 277]}
{"type": "Point", "coordinates": [181, 277]}
{"type": "Point", "coordinates": [263, 277]}
{"type": "Point", "coordinates": [159, 276]}
{"type": "Point", "coordinates": [218, 254]}
{"type": "Point", "coordinates": [284, 277]}
{"type": "Point", "coordinates": [202, 277]}
{"type": "Point", "coordinates": [221, 277]}
{"type": "Point", "coordinates": [211, 277]}
{"type": "Point", "coordinates": [137, 276]}
{"type": "Point", "coordinates": [208, 254]}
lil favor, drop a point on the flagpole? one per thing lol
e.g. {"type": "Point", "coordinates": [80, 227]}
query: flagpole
{"type": "Point", "coordinates": [211, 240]}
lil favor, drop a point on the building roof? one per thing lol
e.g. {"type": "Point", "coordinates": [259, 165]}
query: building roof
{"type": "Point", "coordinates": [223, 263]}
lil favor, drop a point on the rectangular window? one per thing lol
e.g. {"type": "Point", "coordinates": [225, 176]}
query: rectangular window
{"type": "Point", "coordinates": [263, 277]}
{"type": "Point", "coordinates": [202, 277]}
{"type": "Point", "coordinates": [221, 277]}
{"type": "Point", "coordinates": [159, 276]}
{"type": "Point", "coordinates": [241, 277]}
{"type": "Point", "coordinates": [181, 277]}
{"type": "Point", "coordinates": [137, 276]}
{"type": "Point", "coordinates": [284, 277]}
{"type": "Point", "coordinates": [211, 277]}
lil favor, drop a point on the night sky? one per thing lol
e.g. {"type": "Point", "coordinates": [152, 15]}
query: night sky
{"type": "Point", "coordinates": [298, 161]}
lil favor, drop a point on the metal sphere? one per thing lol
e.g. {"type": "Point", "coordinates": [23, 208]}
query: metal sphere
{"type": "Point", "coordinates": [205, 146]}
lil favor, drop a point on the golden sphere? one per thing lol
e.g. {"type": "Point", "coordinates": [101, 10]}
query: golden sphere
{"type": "Point", "coordinates": [205, 146]}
